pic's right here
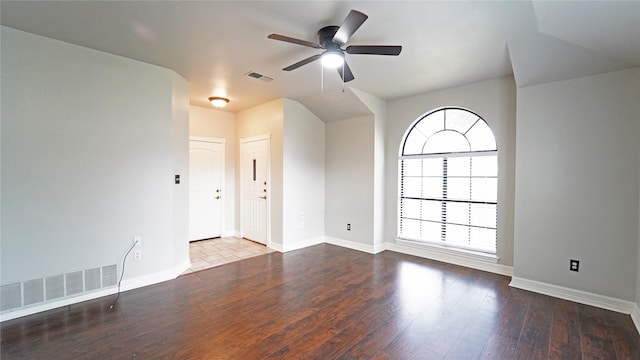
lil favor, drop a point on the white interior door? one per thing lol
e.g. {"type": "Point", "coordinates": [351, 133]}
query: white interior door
{"type": "Point", "coordinates": [254, 183]}
{"type": "Point", "coordinates": [206, 174]}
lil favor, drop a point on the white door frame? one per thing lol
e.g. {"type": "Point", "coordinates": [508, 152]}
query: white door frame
{"type": "Point", "coordinates": [266, 137]}
{"type": "Point", "coordinates": [223, 177]}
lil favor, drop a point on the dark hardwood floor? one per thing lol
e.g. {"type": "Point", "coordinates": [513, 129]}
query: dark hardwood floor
{"type": "Point", "coordinates": [326, 302]}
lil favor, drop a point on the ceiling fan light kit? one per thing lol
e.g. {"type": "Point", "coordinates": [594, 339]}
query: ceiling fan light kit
{"type": "Point", "coordinates": [332, 39]}
{"type": "Point", "coordinates": [332, 59]}
{"type": "Point", "coordinates": [218, 102]}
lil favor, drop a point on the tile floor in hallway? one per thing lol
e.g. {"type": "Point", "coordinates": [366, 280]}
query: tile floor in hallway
{"type": "Point", "coordinates": [206, 254]}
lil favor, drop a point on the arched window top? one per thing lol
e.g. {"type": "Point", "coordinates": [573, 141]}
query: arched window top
{"type": "Point", "coordinates": [448, 130]}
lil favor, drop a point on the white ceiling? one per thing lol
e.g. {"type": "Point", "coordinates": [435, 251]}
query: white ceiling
{"type": "Point", "coordinates": [213, 44]}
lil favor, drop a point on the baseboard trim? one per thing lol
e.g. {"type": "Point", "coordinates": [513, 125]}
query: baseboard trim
{"type": "Point", "coordinates": [371, 249]}
{"type": "Point", "coordinates": [461, 259]}
{"type": "Point", "coordinates": [231, 233]}
{"type": "Point", "coordinates": [128, 284]}
{"type": "Point", "coordinates": [303, 244]}
{"type": "Point", "coordinates": [276, 247]}
{"type": "Point", "coordinates": [156, 278]}
{"type": "Point", "coordinates": [579, 296]}
{"type": "Point", "coordinates": [635, 316]}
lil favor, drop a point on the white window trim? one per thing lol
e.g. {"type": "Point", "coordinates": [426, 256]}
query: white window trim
{"type": "Point", "coordinates": [451, 155]}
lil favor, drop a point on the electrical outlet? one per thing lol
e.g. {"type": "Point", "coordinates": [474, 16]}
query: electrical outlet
{"type": "Point", "coordinates": [348, 227]}
{"type": "Point", "coordinates": [574, 265]}
{"type": "Point", "coordinates": [137, 255]}
{"type": "Point", "coordinates": [137, 240]}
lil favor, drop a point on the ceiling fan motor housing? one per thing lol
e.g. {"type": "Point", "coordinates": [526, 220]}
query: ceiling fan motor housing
{"type": "Point", "coordinates": [325, 37]}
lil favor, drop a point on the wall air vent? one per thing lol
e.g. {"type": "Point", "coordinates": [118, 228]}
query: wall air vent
{"type": "Point", "coordinates": [10, 296]}
{"type": "Point", "coordinates": [33, 291]}
{"type": "Point", "coordinates": [255, 75]}
{"type": "Point", "coordinates": [37, 291]}
{"type": "Point", "coordinates": [55, 286]}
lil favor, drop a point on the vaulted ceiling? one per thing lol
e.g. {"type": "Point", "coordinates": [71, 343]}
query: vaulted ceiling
{"type": "Point", "coordinates": [213, 44]}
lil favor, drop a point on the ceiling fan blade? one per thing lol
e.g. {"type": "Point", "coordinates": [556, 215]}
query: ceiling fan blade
{"type": "Point", "coordinates": [374, 49]}
{"type": "Point", "coordinates": [302, 62]}
{"type": "Point", "coordinates": [294, 41]}
{"type": "Point", "coordinates": [349, 26]}
{"type": "Point", "coordinates": [347, 75]}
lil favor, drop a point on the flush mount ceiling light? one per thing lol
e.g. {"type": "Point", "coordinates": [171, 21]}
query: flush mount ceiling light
{"type": "Point", "coordinates": [218, 102]}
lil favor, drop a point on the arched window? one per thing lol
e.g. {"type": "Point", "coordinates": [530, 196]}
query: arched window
{"type": "Point", "coordinates": [449, 181]}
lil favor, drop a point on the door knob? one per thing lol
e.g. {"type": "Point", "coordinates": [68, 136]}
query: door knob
{"type": "Point", "coordinates": [263, 197]}
{"type": "Point", "coordinates": [217, 197]}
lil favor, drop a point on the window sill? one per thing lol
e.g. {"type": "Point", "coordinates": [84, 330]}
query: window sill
{"type": "Point", "coordinates": [450, 252]}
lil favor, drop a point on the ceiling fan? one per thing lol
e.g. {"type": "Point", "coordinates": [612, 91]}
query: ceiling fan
{"type": "Point", "coordinates": [332, 39]}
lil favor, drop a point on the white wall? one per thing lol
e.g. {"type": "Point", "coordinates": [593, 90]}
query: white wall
{"type": "Point", "coordinates": [263, 119]}
{"type": "Point", "coordinates": [349, 183]}
{"type": "Point", "coordinates": [637, 320]}
{"type": "Point", "coordinates": [379, 109]}
{"type": "Point", "coordinates": [89, 149]}
{"type": "Point", "coordinates": [578, 148]}
{"type": "Point", "coordinates": [494, 100]}
{"type": "Point", "coordinates": [180, 150]}
{"type": "Point", "coordinates": [220, 124]}
{"type": "Point", "coordinates": [303, 175]}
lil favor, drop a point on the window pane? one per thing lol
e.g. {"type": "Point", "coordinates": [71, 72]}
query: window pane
{"type": "Point", "coordinates": [459, 166]}
{"type": "Point", "coordinates": [414, 143]}
{"type": "Point", "coordinates": [484, 239]}
{"type": "Point", "coordinates": [483, 215]}
{"type": "Point", "coordinates": [446, 142]}
{"type": "Point", "coordinates": [485, 165]}
{"type": "Point", "coordinates": [411, 167]}
{"type": "Point", "coordinates": [484, 189]}
{"type": "Point", "coordinates": [431, 231]}
{"type": "Point", "coordinates": [422, 167]}
{"type": "Point", "coordinates": [432, 187]}
{"type": "Point", "coordinates": [459, 120]}
{"type": "Point", "coordinates": [432, 210]}
{"type": "Point", "coordinates": [410, 228]}
{"type": "Point", "coordinates": [410, 208]}
{"type": "Point", "coordinates": [457, 234]}
{"type": "Point", "coordinates": [411, 187]}
{"type": "Point", "coordinates": [431, 124]}
{"type": "Point", "coordinates": [459, 188]}
{"type": "Point", "coordinates": [481, 137]}
{"type": "Point", "coordinates": [458, 213]}
{"type": "Point", "coordinates": [432, 167]}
